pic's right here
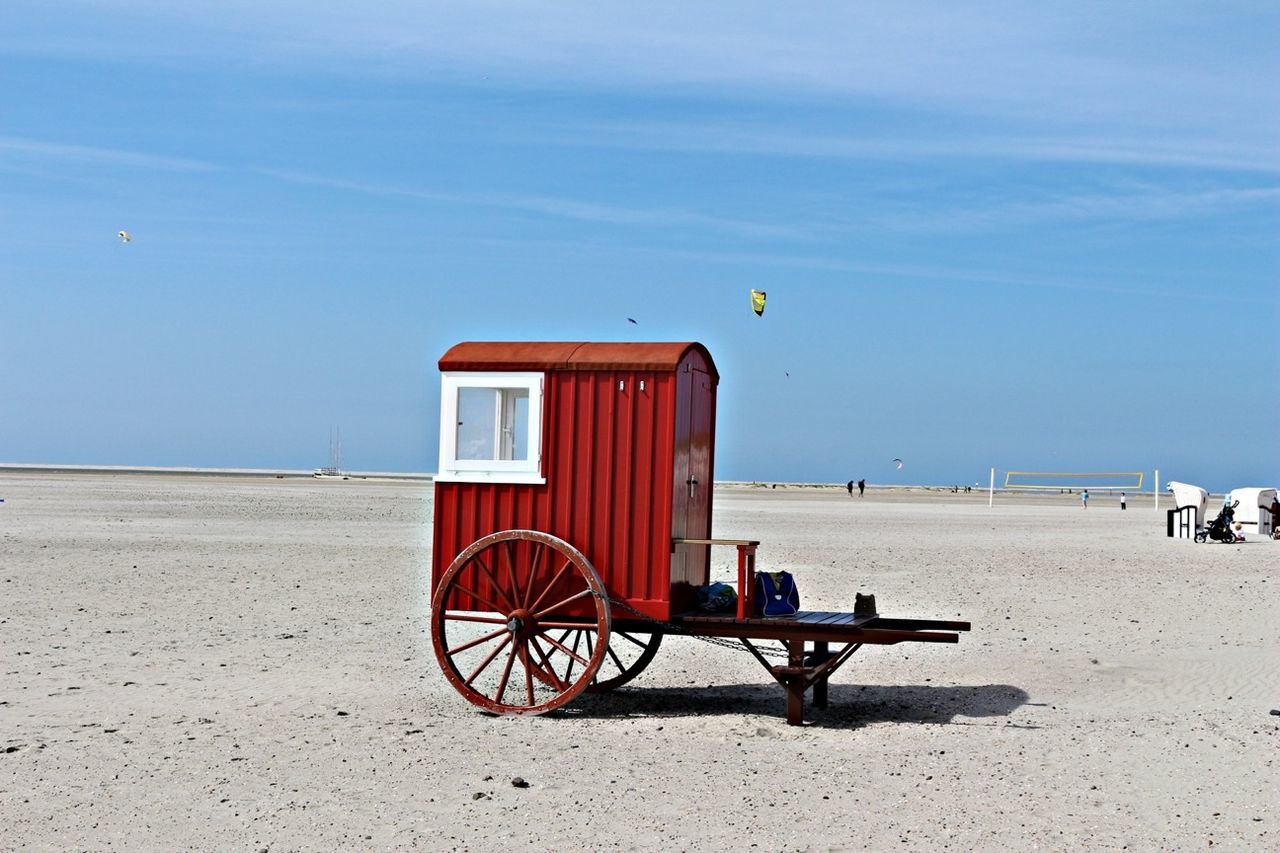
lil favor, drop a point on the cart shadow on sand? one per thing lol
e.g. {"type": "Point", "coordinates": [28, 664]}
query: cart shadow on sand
{"type": "Point", "coordinates": [851, 705]}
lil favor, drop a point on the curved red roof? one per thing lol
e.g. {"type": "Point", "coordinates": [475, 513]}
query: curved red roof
{"type": "Point", "coordinates": [569, 355]}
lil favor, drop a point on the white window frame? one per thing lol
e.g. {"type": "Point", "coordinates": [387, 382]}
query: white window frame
{"type": "Point", "coordinates": [455, 470]}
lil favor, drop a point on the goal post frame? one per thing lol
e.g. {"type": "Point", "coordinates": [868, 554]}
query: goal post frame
{"type": "Point", "coordinates": [1076, 481]}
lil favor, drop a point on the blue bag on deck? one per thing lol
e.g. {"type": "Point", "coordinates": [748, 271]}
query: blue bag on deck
{"type": "Point", "coordinates": [776, 594]}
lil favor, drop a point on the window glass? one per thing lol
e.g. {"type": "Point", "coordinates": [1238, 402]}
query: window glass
{"type": "Point", "coordinates": [477, 414]}
{"type": "Point", "coordinates": [514, 429]}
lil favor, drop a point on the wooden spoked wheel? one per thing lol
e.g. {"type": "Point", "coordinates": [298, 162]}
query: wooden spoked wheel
{"type": "Point", "coordinates": [499, 612]}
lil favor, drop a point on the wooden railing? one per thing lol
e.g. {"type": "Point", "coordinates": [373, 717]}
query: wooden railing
{"type": "Point", "coordinates": [746, 567]}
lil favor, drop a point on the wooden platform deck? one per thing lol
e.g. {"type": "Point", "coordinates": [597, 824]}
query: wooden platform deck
{"type": "Point", "coordinates": [823, 625]}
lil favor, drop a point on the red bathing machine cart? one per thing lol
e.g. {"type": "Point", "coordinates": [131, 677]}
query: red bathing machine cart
{"type": "Point", "coordinates": [572, 528]}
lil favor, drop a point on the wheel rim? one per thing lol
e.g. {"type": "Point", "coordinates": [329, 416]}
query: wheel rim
{"type": "Point", "coordinates": [497, 615]}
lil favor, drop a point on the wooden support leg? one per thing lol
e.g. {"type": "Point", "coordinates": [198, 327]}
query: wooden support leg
{"type": "Point", "coordinates": [795, 683]}
{"type": "Point", "coordinates": [746, 579]}
{"type": "Point", "coordinates": [820, 655]}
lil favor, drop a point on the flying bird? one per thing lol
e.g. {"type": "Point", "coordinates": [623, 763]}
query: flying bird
{"type": "Point", "coordinates": [125, 236]}
{"type": "Point", "coordinates": [757, 302]}
{"type": "Point", "coordinates": [632, 322]}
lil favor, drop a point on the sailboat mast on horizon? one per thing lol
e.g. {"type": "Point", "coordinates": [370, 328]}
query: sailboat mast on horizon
{"type": "Point", "coordinates": [334, 468]}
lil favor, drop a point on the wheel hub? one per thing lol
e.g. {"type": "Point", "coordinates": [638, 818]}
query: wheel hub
{"type": "Point", "coordinates": [519, 621]}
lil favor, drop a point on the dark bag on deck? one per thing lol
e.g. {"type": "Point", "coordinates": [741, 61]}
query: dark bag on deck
{"type": "Point", "coordinates": [776, 594]}
{"type": "Point", "coordinates": [717, 598]}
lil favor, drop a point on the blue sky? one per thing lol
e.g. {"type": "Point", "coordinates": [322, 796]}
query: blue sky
{"type": "Point", "coordinates": [992, 234]}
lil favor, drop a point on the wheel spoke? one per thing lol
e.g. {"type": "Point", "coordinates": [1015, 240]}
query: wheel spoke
{"type": "Point", "coordinates": [546, 668]}
{"type": "Point", "coordinates": [488, 660]}
{"type": "Point", "coordinates": [472, 643]}
{"type": "Point", "coordinates": [490, 620]}
{"type": "Point", "coordinates": [616, 661]}
{"type": "Point", "coordinates": [480, 564]}
{"type": "Point", "coordinates": [508, 551]}
{"type": "Point", "coordinates": [577, 639]}
{"type": "Point", "coordinates": [528, 673]}
{"type": "Point", "coordinates": [560, 604]}
{"type": "Point", "coordinates": [459, 588]}
{"type": "Point", "coordinates": [576, 626]}
{"type": "Point", "coordinates": [564, 649]}
{"type": "Point", "coordinates": [569, 668]}
{"type": "Point", "coordinates": [534, 565]}
{"type": "Point", "coordinates": [555, 580]}
{"type": "Point", "coordinates": [506, 673]}
{"type": "Point", "coordinates": [630, 638]}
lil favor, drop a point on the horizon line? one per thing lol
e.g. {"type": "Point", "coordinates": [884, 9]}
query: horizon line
{"type": "Point", "coordinates": [161, 470]}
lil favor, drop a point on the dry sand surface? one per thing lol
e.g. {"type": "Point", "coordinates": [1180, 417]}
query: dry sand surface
{"type": "Point", "coordinates": [238, 664]}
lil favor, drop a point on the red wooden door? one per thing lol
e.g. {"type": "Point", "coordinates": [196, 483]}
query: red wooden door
{"type": "Point", "coordinates": [691, 506]}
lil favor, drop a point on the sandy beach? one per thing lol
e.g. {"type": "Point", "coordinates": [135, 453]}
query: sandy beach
{"type": "Point", "coordinates": [242, 664]}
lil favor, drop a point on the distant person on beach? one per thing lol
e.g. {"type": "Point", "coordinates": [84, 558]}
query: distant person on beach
{"type": "Point", "coordinates": [849, 486]}
{"type": "Point", "coordinates": [1122, 500]}
{"type": "Point", "coordinates": [862, 487]}
{"type": "Point", "coordinates": [1084, 499]}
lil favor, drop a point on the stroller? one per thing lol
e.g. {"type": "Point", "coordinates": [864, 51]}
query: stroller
{"type": "Point", "coordinates": [1219, 530]}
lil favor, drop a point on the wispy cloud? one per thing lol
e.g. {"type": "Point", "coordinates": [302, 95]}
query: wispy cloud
{"type": "Point", "coordinates": [883, 210]}
{"type": "Point", "coordinates": [965, 277]}
{"type": "Point", "coordinates": [1186, 89]}
{"type": "Point", "coordinates": [1198, 72]}
{"type": "Point", "coordinates": [1132, 205]}
{"type": "Point", "coordinates": [90, 155]}
{"type": "Point", "coordinates": [553, 206]}
{"type": "Point", "coordinates": [872, 275]}
{"type": "Point", "coordinates": [357, 186]}
{"type": "Point", "coordinates": [1001, 209]}
{"type": "Point", "coordinates": [908, 145]}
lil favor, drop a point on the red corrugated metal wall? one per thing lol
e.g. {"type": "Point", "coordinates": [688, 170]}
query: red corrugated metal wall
{"type": "Point", "coordinates": [608, 462]}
